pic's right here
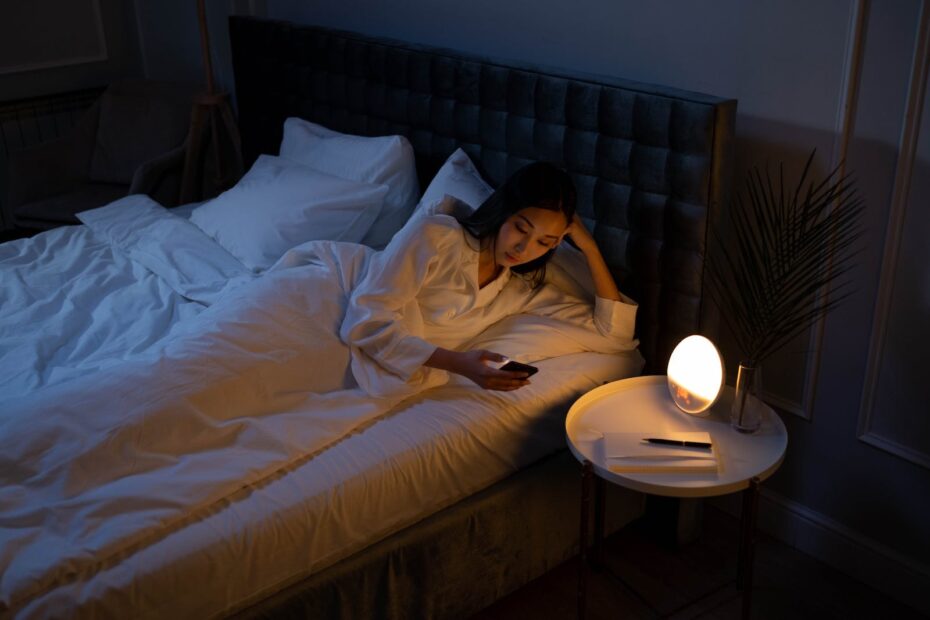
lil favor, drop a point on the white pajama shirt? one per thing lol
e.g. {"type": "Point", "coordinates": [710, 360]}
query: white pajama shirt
{"type": "Point", "coordinates": [421, 292]}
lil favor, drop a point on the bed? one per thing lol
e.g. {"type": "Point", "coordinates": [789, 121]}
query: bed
{"type": "Point", "coordinates": [453, 497]}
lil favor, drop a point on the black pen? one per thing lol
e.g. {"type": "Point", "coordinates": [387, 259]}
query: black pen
{"type": "Point", "coordinates": [678, 442]}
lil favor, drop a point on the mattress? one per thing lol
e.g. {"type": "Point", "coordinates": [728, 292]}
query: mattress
{"type": "Point", "coordinates": [427, 453]}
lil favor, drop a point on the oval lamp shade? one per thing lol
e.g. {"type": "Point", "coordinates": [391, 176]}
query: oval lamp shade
{"type": "Point", "coordinates": [695, 374]}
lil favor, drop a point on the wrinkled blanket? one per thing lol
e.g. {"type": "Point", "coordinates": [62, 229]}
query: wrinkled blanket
{"type": "Point", "coordinates": [78, 299]}
{"type": "Point", "coordinates": [92, 466]}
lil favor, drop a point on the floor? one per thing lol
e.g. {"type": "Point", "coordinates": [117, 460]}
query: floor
{"type": "Point", "coordinates": [646, 578]}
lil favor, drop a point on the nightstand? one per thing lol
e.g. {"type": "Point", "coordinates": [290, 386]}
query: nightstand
{"type": "Point", "coordinates": [642, 404]}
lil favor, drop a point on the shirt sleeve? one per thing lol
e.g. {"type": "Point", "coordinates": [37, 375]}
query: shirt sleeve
{"type": "Point", "coordinates": [606, 326]}
{"type": "Point", "coordinates": [614, 318]}
{"type": "Point", "coordinates": [383, 318]}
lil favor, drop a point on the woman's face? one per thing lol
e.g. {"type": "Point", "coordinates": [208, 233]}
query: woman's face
{"type": "Point", "coordinates": [527, 235]}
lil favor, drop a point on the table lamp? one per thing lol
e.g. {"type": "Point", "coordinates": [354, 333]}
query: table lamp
{"type": "Point", "coordinates": [695, 375]}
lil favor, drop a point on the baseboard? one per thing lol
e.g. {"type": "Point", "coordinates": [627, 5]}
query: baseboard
{"type": "Point", "coordinates": [888, 571]}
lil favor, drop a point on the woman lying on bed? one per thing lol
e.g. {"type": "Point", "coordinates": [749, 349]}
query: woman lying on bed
{"type": "Point", "coordinates": [279, 369]}
{"type": "Point", "coordinates": [442, 280]}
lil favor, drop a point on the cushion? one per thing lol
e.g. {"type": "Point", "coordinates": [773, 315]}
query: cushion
{"type": "Point", "coordinates": [458, 177]}
{"type": "Point", "coordinates": [571, 262]}
{"type": "Point", "coordinates": [384, 160]}
{"type": "Point", "coordinates": [530, 338]}
{"type": "Point", "coordinates": [279, 204]}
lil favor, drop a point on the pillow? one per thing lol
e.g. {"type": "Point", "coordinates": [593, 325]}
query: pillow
{"type": "Point", "coordinates": [458, 177]}
{"type": "Point", "coordinates": [532, 339]}
{"type": "Point", "coordinates": [384, 160]}
{"type": "Point", "coordinates": [279, 204]}
{"type": "Point", "coordinates": [528, 338]}
{"type": "Point", "coordinates": [567, 261]}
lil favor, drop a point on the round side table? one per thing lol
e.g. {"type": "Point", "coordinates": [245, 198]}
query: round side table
{"type": "Point", "coordinates": [643, 405]}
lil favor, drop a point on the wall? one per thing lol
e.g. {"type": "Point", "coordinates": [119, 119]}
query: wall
{"type": "Point", "coordinates": [118, 21]}
{"type": "Point", "coordinates": [843, 76]}
{"type": "Point", "coordinates": [41, 68]}
{"type": "Point", "coordinates": [170, 39]}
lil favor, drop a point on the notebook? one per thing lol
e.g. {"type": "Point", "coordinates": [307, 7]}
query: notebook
{"type": "Point", "coordinates": [630, 453]}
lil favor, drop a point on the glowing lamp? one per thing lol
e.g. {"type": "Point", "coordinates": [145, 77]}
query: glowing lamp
{"type": "Point", "coordinates": [695, 374]}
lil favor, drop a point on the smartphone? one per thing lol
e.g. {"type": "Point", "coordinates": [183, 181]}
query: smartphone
{"type": "Point", "coordinates": [518, 367]}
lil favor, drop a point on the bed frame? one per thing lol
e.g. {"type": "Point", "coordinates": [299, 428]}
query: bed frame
{"type": "Point", "coordinates": [652, 167]}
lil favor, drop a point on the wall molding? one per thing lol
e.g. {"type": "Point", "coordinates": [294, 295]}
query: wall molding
{"type": "Point", "coordinates": [784, 403]}
{"type": "Point", "coordinates": [843, 130]}
{"type": "Point", "coordinates": [69, 60]}
{"type": "Point", "coordinates": [907, 147]}
{"type": "Point", "coordinates": [864, 559]}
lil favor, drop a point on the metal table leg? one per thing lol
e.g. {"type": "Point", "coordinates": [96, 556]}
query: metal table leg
{"type": "Point", "coordinates": [599, 509]}
{"type": "Point", "coordinates": [587, 473]}
{"type": "Point", "coordinates": [747, 543]}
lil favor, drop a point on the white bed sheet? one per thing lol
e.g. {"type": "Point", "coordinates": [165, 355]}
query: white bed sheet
{"type": "Point", "coordinates": [434, 450]}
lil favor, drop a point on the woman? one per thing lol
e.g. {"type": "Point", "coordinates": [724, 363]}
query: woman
{"type": "Point", "coordinates": [442, 280]}
{"type": "Point", "coordinates": [280, 369]}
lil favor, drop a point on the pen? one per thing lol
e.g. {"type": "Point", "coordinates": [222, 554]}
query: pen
{"type": "Point", "coordinates": [678, 442]}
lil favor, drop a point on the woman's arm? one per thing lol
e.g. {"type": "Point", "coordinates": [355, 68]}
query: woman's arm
{"type": "Point", "coordinates": [604, 283]}
{"type": "Point", "coordinates": [472, 364]}
{"type": "Point", "coordinates": [607, 327]}
{"type": "Point", "coordinates": [374, 316]}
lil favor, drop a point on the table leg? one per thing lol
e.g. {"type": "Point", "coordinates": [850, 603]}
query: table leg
{"type": "Point", "coordinates": [747, 543]}
{"type": "Point", "coordinates": [587, 473]}
{"type": "Point", "coordinates": [599, 509]}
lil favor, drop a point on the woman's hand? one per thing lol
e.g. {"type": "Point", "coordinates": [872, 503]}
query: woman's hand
{"type": "Point", "coordinates": [580, 235]}
{"type": "Point", "coordinates": [473, 365]}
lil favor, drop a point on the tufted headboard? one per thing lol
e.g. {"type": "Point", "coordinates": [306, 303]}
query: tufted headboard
{"type": "Point", "coordinates": [652, 165]}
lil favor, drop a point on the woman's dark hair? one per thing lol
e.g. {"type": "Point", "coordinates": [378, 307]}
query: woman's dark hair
{"type": "Point", "coordinates": [540, 185]}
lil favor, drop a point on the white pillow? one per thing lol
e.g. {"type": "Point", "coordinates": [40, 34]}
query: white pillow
{"type": "Point", "coordinates": [532, 339]}
{"type": "Point", "coordinates": [458, 177]}
{"type": "Point", "coordinates": [384, 159]}
{"type": "Point", "coordinates": [571, 262]}
{"type": "Point", "coordinates": [279, 204]}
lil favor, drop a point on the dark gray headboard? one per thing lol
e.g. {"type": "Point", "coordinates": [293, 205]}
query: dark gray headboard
{"type": "Point", "coordinates": [652, 165]}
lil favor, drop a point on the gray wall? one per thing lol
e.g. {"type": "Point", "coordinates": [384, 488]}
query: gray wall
{"type": "Point", "coordinates": [118, 20]}
{"type": "Point", "coordinates": [833, 75]}
{"type": "Point", "coordinates": [170, 39]}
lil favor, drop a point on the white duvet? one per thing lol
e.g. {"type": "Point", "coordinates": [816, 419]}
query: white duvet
{"type": "Point", "coordinates": [101, 457]}
{"type": "Point", "coordinates": [80, 298]}
{"type": "Point", "coordinates": [91, 466]}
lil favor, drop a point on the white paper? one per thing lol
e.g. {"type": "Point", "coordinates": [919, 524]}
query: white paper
{"type": "Point", "coordinates": [634, 445]}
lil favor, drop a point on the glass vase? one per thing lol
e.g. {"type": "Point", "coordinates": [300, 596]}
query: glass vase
{"type": "Point", "coordinates": [747, 409]}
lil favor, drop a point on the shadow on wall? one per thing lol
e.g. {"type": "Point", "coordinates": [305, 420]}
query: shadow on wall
{"type": "Point", "coordinates": [765, 144]}
{"type": "Point", "coordinates": [828, 468]}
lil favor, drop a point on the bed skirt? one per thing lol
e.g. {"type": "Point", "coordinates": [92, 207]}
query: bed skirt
{"type": "Point", "coordinates": [461, 559]}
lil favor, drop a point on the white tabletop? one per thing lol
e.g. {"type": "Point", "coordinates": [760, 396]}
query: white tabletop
{"type": "Point", "coordinates": [643, 404]}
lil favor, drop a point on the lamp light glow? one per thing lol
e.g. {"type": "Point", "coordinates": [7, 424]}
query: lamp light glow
{"type": "Point", "coordinates": [695, 374]}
